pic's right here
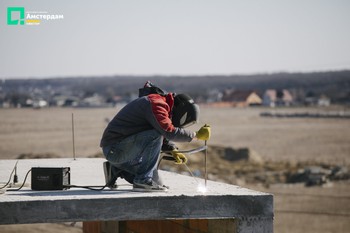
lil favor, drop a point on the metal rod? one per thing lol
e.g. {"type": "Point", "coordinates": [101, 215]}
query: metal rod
{"type": "Point", "coordinates": [73, 135]}
{"type": "Point", "coordinates": [191, 173]}
{"type": "Point", "coordinates": [192, 151]}
{"type": "Point", "coordinates": [205, 162]}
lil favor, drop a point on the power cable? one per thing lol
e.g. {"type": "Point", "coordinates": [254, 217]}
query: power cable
{"type": "Point", "coordinates": [87, 187]}
{"type": "Point", "coordinates": [24, 181]}
{"type": "Point", "coordinates": [66, 186]}
{"type": "Point", "coordinates": [8, 182]}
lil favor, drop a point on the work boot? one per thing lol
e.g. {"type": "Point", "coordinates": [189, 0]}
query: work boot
{"type": "Point", "coordinates": [148, 186]}
{"type": "Point", "coordinates": [127, 176]}
{"type": "Point", "coordinates": [156, 178]}
{"type": "Point", "coordinates": [111, 175]}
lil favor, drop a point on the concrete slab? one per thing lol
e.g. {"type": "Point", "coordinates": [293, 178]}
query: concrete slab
{"type": "Point", "coordinates": [182, 201]}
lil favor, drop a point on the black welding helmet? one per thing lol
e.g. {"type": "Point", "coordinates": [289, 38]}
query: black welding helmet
{"type": "Point", "coordinates": [185, 111]}
{"type": "Point", "coordinates": [150, 88]}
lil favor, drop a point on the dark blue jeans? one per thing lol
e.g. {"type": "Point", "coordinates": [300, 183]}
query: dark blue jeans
{"type": "Point", "coordinates": [137, 154]}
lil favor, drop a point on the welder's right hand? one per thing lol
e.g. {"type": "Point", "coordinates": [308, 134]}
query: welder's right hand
{"type": "Point", "coordinates": [204, 133]}
{"type": "Point", "coordinates": [179, 157]}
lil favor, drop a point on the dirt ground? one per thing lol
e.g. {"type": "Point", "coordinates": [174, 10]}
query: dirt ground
{"type": "Point", "coordinates": [297, 208]}
{"type": "Point", "coordinates": [295, 139]}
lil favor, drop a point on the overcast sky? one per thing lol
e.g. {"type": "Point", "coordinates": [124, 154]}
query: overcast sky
{"type": "Point", "coordinates": [175, 37]}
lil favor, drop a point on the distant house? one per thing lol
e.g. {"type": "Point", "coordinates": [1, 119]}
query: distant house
{"type": "Point", "coordinates": [323, 101]}
{"type": "Point", "coordinates": [93, 101]}
{"type": "Point", "coordinates": [65, 101]}
{"type": "Point", "coordinates": [241, 98]}
{"type": "Point", "coordinates": [274, 98]}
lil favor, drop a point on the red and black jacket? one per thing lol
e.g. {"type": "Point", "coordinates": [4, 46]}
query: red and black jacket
{"type": "Point", "coordinates": [145, 113]}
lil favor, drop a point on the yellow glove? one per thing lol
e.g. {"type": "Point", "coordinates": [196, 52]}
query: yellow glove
{"type": "Point", "coordinates": [179, 157]}
{"type": "Point", "coordinates": [204, 133]}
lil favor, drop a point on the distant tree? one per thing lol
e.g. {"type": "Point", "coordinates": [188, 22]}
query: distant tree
{"type": "Point", "coordinates": [17, 99]}
{"type": "Point", "coordinates": [310, 94]}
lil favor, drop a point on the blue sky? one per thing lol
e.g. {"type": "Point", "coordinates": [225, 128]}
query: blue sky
{"type": "Point", "coordinates": [177, 37]}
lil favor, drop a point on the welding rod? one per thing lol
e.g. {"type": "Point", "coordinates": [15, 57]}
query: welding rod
{"type": "Point", "coordinates": [205, 162]}
{"type": "Point", "coordinates": [73, 135]}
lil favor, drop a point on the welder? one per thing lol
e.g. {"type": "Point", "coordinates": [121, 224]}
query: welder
{"type": "Point", "coordinates": [134, 138]}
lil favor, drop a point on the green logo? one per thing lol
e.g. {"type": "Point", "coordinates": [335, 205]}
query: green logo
{"type": "Point", "coordinates": [15, 15]}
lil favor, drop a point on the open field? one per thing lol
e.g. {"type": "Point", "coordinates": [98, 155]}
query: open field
{"type": "Point", "coordinates": [297, 208]}
{"type": "Point", "coordinates": [49, 131]}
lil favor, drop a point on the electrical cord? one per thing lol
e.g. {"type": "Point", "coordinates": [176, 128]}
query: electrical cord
{"type": "Point", "coordinates": [94, 189]}
{"type": "Point", "coordinates": [8, 182]}
{"type": "Point", "coordinates": [66, 186]}
{"type": "Point", "coordinates": [24, 181]}
{"type": "Point", "coordinates": [168, 157]}
{"type": "Point", "coordinates": [86, 187]}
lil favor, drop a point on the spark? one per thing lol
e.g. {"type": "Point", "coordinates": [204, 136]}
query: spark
{"type": "Point", "coordinates": [201, 188]}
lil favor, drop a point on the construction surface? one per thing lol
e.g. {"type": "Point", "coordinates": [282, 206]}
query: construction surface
{"type": "Point", "coordinates": [182, 201]}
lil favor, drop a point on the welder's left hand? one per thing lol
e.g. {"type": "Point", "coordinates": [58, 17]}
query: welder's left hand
{"type": "Point", "coordinates": [204, 133]}
{"type": "Point", "coordinates": [179, 157]}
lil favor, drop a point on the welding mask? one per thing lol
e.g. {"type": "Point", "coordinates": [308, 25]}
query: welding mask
{"type": "Point", "coordinates": [185, 111]}
{"type": "Point", "coordinates": [150, 88]}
